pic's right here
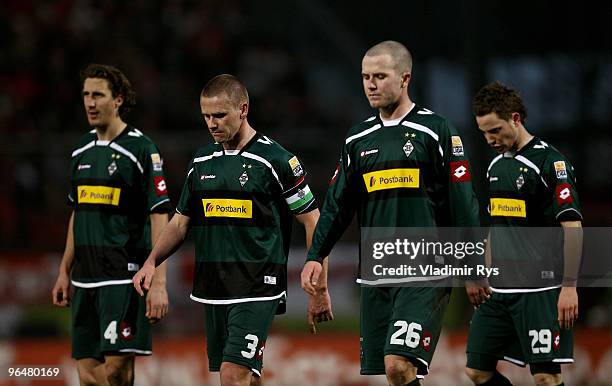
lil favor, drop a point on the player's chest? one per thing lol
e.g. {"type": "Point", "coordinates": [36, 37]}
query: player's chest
{"type": "Point", "coordinates": [512, 176]}
{"type": "Point", "coordinates": [392, 145]}
{"type": "Point", "coordinates": [232, 173]}
{"type": "Point", "coordinates": [105, 164]}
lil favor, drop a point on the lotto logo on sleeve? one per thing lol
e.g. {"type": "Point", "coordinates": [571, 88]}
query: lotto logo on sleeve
{"type": "Point", "coordinates": [105, 195]}
{"type": "Point", "coordinates": [391, 179]}
{"type": "Point", "coordinates": [160, 185]}
{"type": "Point", "coordinates": [564, 194]}
{"type": "Point", "coordinates": [227, 207]}
{"type": "Point", "coordinates": [460, 171]}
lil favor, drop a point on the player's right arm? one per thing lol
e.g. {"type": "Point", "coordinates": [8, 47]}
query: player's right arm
{"type": "Point", "coordinates": [61, 290]}
{"type": "Point", "coordinates": [337, 212]}
{"type": "Point", "coordinates": [168, 242]}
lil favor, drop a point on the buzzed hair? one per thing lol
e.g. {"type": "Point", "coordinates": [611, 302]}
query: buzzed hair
{"type": "Point", "coordinates": [226, 84]}
{"type": "Point", "coordinates": [402, 60]}
{"type": "Point", "coordinates": [500, 99]}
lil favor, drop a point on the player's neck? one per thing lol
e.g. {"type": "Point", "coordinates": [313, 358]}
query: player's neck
{"type": "Point", "coordinates": [242, 137]}
{"type": "Point", "coordinates": [110, 132]}
{"type": "Point", "coordinates": [396, 110]}
{"type": "Point", "coordinates": [523, 138]}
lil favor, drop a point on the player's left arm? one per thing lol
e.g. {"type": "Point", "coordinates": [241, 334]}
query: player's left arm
{"type": "Point", "coordinates": [567, 306]}
{"type": "Point", "coordinates": [319, 301]}
{"type": "Point", "coordinates": [157, 297]}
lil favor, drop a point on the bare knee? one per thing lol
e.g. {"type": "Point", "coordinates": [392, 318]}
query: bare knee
{"type": "Point", "coordinates": [235, 375]}
{"type": "Point", "coordinates": [91, 372]}
{"type": "Point", "coordinates": [547, 379]}
{"type": "Point", "coordinates": [478, 376]}
{"type": "Point", "coordinates": [120, 370]}
{"type": "Point", "coordinates": [399, 370]}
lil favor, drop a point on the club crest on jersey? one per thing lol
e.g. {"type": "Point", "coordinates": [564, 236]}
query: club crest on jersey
{"type": "Point", "coordinates": [244, 177]}
{"type": "Point", "coordinates": [296, 167]}
{"type": "Point", "coordinates": [408, 148]}
{"type": "Point", "coordinates": [457, 146]}
{"type": "Point", "coordinates": [520, 181]}
{"type": "Point", "coordinates": [560, 169]}
{"type": "Point", "coordinates": [112, 168]}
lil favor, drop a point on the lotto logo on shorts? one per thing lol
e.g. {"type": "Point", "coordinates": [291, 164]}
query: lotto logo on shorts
{"type": "Point", "coordinates": [105, 195]}
{"type": "Point", "coordinates": [508, 207]}
{"type": "Point", "coordinates": [563, 192]}
{"type": "Point", "coordinates": [225, 207]}
{"type": "Point", "coordinates": [391, 179]}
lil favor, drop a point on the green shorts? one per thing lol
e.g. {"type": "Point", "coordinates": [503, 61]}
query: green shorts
{"type": "Point", "coordinates": [109, 320]}
{"type": "Point", "coordinates": [237, 333]}
{"type": "Point", "coordinates": [403, 321]}
{"type": "Point", "coordinates": [521, 328]}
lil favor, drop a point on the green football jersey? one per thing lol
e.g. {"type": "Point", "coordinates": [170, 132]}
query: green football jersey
{"type": "Point", "coordinates": [534, 187]}
{"type": "Point", "coordinates": [411, 172]}
{"type": "Point", "coordinates": [241, 205]}
{"type": "Point", "coordinates": [115, 185]}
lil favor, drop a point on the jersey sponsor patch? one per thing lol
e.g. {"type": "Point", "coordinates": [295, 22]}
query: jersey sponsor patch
{"type": "Point", "coordinates": [460, 171]}
{"type": "Point", "coordinates": [92, 194]}
{"type": "Point", "coordinates": [296, 167]}
{"type": "Point", "coordinates": [457, 146]}
{"type": "Point", "coordinates": [160, 185]}
{"type": "Point", "coordinates": [563, 192]}
{"type": "Point", "coordinates": [508, 207]}
{"type": "Point", "coordinates": [391, 179]}
{"type": "Point", "coordinates": [227, 207]}
{"type": "Point", "coordinates": [560, 169]}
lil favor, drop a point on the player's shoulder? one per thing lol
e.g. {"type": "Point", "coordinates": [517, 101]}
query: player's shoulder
{"type": "Point", "coordinates": [266, 147]}
{"type": "Point", "coordinates": [86, 140]}
{"type": "Point", "coordinates": [362, 128]}
{"type": "Point", "coordinates": [134, 139]}
{"type": "Point", "coordinates": [429, 119]}
{"type": "Point", "coordinates": [207, 151]}
{"type": "Point", "coordinates": [542, 152]}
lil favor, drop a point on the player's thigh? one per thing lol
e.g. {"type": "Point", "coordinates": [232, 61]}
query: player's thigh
{"type": "Point", "coordinates": [376, 305]}
{"type": "Point", "coordinates": [492, 336]}
{"type": "Point", "coordinates": [416, 323]}
{"type": "Point", "coordinates": [91, 371]}
{"type": "Point", "coordinates": [85, 326]}
{"type": "Point", "coordinates": [124, 328]}
{"type": "Point", "coordinates": [248, 325]}
{"type": "Point", "coordinates": [215, 318]}
{"type": "Point", "coordinates": [119, 368]}
{"type": "Point", "coordinates": [542, 340]}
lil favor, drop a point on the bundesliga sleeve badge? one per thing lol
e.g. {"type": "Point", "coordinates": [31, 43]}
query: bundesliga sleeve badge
{"type": "Point", "coordinates": [560, 169]}
{"type": "Point", "coordinates": [296, 168]}
{"type": "Point", "coordinates": [457, 146]}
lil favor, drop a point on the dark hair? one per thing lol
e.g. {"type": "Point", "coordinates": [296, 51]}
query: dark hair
{"type": "Point", "coordinates": [118, 84]}
{"type": "Point", "coordinates": [226, 84]}
{"type": "Point", "coordinates": [500, 99]}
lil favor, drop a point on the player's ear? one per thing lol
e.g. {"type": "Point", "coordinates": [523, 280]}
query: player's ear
{"type": "Point", "coordinates": [244, 110]}
{"type": "Point", "coordinates": [118, 101]}
{"type": "Point", "coordinates": [516, 119]}
{"type": "Point", "coordinates": [406, 79]}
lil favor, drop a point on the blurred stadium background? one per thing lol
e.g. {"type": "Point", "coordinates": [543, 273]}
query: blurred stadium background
{"type": "Point", "coordinates": [300, 60]}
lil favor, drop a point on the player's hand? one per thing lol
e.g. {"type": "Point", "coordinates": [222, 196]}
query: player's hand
{"type": "Point", "coordinates": [61, 291]}
{"type": "Point", "coordinates": [478, 291]}
{"type": "Point", "coordinates": [319, 309]}
{"type": "Point", "coordinates": [567, 307]}
{"type": "Point", "coordinates": [310, 276]}
{"type": "Point", "coordinates": [157, 303]}
{"type": "Point", "coordinates": [143, 278]}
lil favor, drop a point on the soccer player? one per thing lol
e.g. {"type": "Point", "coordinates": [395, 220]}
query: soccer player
{"type": "Point", "coordinates": [120, 205]}
{"type": "Point", "coordinates": [240, 196]}
{"type": "Point", "coordinates": [404, 167]}
{"type": "Point", "coordinates": [531, 184]}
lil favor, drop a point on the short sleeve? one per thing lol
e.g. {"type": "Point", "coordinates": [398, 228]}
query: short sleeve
{"type": "Point", "coordinates": [296, 192]}
{"type": "Point", "coordinates": [155, 188]}
{"type": "Point", "coordinates": [183, 207]}
{"type": "Point", "coordinates": [562, 183]}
